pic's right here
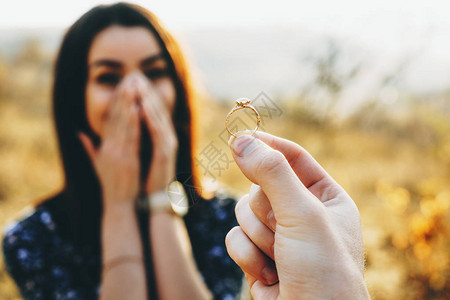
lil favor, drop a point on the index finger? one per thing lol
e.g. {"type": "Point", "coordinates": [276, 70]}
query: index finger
{"type": "Point", "coordinates": [308, 170]}
{"type": "Point", "coordinates": [270, 169]}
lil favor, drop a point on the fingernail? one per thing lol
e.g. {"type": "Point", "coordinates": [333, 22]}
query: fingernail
{"type": "Point", "coordinates": [244, 145]}
{"type": "Point", "coordinates": [238, 134]}
{"type": "Point", "coordinates": [270, 275]}
{"type": "Point", "coordinates": [271, 220]}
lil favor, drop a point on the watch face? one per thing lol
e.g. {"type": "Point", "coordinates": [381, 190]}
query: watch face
{"type": "Point", "coordinates": [178, 198]}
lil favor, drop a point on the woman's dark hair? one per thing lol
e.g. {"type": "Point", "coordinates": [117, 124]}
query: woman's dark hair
{"type": "Point", "coordinates": [79, 206]}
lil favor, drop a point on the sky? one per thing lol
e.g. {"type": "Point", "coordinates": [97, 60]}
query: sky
{"type": "Point", "coordinates": [388, 24]}
{"type": "Point", "coordinates": [332, 15]}
{"type": "Point", "coordinates": [392, 28]}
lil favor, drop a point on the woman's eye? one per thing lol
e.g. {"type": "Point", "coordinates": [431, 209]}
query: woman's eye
{"type": "Point", "coordinates": [157, 73]}
{"type": "Point", "coordinates": [109, 79]}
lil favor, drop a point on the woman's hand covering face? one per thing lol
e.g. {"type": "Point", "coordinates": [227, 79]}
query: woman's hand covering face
{"type": "Point", "coordinates": [162, 132]}
{"type": "Point", "coordinates": [116, 160]}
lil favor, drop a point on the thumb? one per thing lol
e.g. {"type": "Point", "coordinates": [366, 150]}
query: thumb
{"type": "Point", "coordinates": [88, 145]}
{"type": "Point", "coordinates": [270, 169]}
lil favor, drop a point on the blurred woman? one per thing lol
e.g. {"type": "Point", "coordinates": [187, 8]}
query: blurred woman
{"type": "Point", "coordinates": [124, 113]}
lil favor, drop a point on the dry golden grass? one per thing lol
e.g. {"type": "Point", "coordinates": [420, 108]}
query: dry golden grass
{"type": "Point", "coordinates": [396, 170]}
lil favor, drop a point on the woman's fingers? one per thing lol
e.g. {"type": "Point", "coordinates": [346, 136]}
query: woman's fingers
{"type": "Point", "coordinates": [160, 108]}
{"type": "Point", "coordinates": [157, 119]}
{"type": "Point", "coordinates": [117, 104]}
{"type": "Point", "coordinates": [249, 257]}
{"type": "Point", "coordinates": [123, 122]}
{"type": "Point", "coordinates": [258, 232]}
{"type": "Point", "coordinates": [134, 132]}
{"type": "Point", "coordinates": [151, 116]}
{"type": "Point", "coordinates": [261, 207]}
{"type": "Point", "coordinates": [156, 114]}
{"type": "Point", "coordinates": [152, 119]}
{"type": "Point", "coordinates": [162, 133]}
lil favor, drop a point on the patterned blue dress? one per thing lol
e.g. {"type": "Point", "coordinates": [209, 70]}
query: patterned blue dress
{"type": "Point", "coordinates": [45, 266]}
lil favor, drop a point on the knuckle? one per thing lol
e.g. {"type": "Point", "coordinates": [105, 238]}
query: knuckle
{"type": "Point", "coordinates": [110, 152]}
{"type": "Point", "coordinates": [239, 206]}
{"type": "Point", "coordinates": [259, 203]}
{"type": "Point", "coordinates": [316, 213]}
{"type": "Point", "coordinates": [270, 163]}
{"type": "Point", "coordinates": [231, 235]}
{"type": "Point", "coordinates": [253, 204]}
{"type": "Point", "coordinates": [238, 213]}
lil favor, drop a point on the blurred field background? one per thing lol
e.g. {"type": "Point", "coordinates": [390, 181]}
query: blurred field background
{"type": "Point", "coordinates": [391, 152]}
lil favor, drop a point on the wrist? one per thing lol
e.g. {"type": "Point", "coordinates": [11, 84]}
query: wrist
{"type": "Point", "coordinates": [351, 284]}
{"type": "Point", "coordinates": [119, 209]}
{"type": "Point", "coordinates": [343, 278]}
{"type": "Point", "coordinates": [357, 288]}
{"type": "Point", "coordinates": [163, 215]}
{"type": "Point", "coordinates": [170, 200]}
{"type": "Point", "coordinates": [165, 175]}
{"type": "Point", "coordinates": [111, 199]}
{"type": "Point", "coordinates": [122, 259]}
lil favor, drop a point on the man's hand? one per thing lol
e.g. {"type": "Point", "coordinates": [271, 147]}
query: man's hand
{"type": "Point", "coordinates": [300, 234]}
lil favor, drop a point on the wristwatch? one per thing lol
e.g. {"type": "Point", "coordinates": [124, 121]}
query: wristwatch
{"type": "Point", "coordinates": [172, 199]}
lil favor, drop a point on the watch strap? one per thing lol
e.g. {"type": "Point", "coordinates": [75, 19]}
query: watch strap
{"type": "Point", "coordinates": [156, 202]}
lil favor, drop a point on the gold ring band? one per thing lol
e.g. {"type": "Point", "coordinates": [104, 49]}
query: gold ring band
{"type": "Point", "coordinates": [242, 103]}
